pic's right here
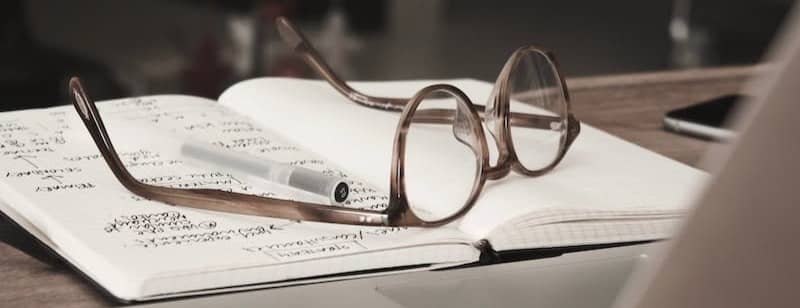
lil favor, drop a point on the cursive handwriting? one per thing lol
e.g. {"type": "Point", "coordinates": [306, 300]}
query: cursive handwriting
{"type": "Point", "coordinates": [152, 223]}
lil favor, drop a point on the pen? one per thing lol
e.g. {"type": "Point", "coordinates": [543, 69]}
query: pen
{"type": "Point", "coordinates": [297, 177]}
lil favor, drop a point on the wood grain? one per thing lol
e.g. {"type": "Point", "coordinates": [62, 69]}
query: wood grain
{"type": "Point", "coordinates": [633, 106]}
{"type": "Point", "coordinates": [629, 106]}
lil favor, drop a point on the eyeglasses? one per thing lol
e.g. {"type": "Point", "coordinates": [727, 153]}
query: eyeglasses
{"type": "Point", "coordinates": [440, 159]}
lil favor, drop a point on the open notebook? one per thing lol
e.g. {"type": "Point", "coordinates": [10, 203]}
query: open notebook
{"type": "Point", "coordinates": [55, 185]}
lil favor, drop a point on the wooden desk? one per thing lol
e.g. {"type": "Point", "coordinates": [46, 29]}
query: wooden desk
{"type": "Point", "coordinates": [629, 106]}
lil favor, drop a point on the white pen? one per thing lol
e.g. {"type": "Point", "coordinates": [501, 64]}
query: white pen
{"type": "Point", "coordinates": [298, 177]}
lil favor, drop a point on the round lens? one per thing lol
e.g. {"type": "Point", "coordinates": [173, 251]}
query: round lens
{"type": "Point", "coordinates": [538, 119]}
{"type": "Point", "coordinates": [441, 164]}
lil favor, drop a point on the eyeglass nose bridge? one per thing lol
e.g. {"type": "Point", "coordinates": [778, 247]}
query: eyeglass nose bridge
{"type": "Point", "coordinates": [493, 119]}
{"type": "Point", "coordinates": [498, 171]}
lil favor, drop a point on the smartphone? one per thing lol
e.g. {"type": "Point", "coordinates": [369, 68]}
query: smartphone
{"type": "Point", "coordinates": [705, 119]}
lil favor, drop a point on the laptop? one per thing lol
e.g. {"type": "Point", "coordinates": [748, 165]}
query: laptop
{"type": "Point", "coordinates": [741, 245]}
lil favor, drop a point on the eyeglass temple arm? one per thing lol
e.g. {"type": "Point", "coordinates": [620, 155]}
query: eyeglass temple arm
{"type": "Point", "coordinates": [297, 42]}
{"type": "Point", "coordinates": [211, 199]}
{"type": "Point", "coordinates": [446, 116]}
{"type": "Point", "coordinates": [443, 116]}
{"type": "Point", "coordinates": [94, 124]}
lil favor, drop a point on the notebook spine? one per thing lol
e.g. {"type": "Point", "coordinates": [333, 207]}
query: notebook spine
{"type": "Point", "coordinates": [491, 256]}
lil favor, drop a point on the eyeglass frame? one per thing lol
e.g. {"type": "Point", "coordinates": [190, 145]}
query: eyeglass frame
{"type": "Point", "coordinates": [398, 212]}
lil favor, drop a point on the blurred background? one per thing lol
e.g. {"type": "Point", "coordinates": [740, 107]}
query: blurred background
{"type": "Point", "coordinates": [129, 48]}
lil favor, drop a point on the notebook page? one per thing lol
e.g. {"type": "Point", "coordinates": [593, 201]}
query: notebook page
{"type": "Point", "coordinates": [55, 178]}
{"type": "Point", "coordinates": [577, 233]}
{"type": "Point", "coordinates": [601, 172]}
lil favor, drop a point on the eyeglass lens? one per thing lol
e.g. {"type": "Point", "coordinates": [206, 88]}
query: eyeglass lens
{"type": "Point", "coordinates": [441, 162]}
{"type": "Point", "coordinates": [535, 89]}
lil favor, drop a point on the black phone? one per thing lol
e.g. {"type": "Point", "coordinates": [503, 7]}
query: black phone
{"type": "Point", "coordinates": [705, 119]}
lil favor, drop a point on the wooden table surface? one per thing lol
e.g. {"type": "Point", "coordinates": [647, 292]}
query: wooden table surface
{"type": "Point", "coordinates": [629, 106]}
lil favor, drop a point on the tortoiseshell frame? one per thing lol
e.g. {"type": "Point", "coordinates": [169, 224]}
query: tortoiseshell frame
{"type": "Point", "coordinates": [398, 212]}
